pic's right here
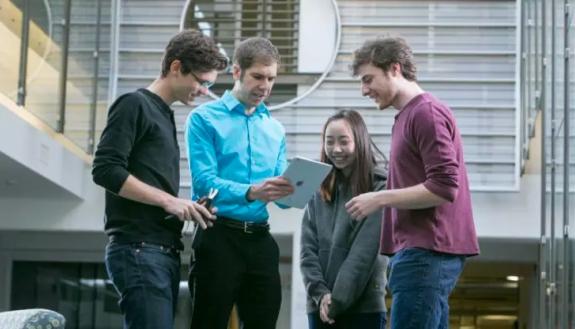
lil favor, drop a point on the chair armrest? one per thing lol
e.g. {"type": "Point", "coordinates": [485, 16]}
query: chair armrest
{"type": "Point", "coordinates": [38, 318]}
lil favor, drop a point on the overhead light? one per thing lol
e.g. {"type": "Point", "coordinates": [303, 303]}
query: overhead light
{"type": "Point", "coordinates": [494, 317]}
{"type": "Point", "coordinates": [513, 278]}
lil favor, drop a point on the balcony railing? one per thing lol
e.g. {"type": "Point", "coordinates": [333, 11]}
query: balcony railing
{"type": "Point", "coordinates": [43, 72]}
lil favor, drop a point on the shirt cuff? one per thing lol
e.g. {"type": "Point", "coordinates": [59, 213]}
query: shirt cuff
{"type": "Point", "coordinates": [318, 294]}
{"type": "Point", "coordinates": [240, 191]}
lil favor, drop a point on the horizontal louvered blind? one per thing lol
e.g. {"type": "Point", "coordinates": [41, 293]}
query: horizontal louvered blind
{"type": "Point", "coordinates": [230, 21]}
{"type": "Point", "coordinates": [465, 52]}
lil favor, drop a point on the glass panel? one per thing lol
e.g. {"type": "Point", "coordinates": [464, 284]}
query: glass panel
{"type": "Point", "coordinates": [546, 267]}
{"type": "Point", "coordinates": [87, 299]}
{"type": "Point", "coordinates": [557, 312]}
{"type": "Point", "coordinates": [44, 60]}
{"type": "Point", "coordinates": [44, 66]}
{"type": "Point", "coordinates": [79, 291]}
{"type": "Point", "coordinates": [570, 307]}
{"type": "Point", "coordinates": [10, 36]}
{"type": "Point", "coordinates": [86, 89]}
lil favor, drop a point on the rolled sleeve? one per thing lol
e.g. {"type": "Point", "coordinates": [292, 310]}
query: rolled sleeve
{"type": "Point", "coordinates": [110, 166]}
{"type": "Point", "coordinates": [434, 135]}
{"type": "Point", "coordinates": [111, 178]}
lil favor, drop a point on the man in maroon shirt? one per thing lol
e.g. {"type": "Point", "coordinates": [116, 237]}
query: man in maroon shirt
{"type": "Point", "coordinates": [428, 222]}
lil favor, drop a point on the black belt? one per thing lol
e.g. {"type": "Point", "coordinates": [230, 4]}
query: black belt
{"type": "Point", "coordinates": [245, 227]}
{"type": "Point", "coordinates": [161, 247]}
{"type": "Point", "coordinates": [138, 242]}
{"type": "Point", "coordinates": [143, 244]}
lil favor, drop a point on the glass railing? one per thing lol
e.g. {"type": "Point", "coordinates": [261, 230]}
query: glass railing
{"type": "Point", "coordinates": [10, 34]}
{"type": "Point", "coordinates": [52, 62]}
{"type": "Point", "coordinates": [548, 90]}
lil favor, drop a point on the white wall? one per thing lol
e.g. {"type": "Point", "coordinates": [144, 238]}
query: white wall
{"type": "Point", "coordinates": [69, 201]}
{"type": "Point", "coordinates": [28, 141]}
{"type": "Point", "coordinates": [56, 214]}
{"type": "Point", "coordinates": [497, 214]}
{"type": "Point", "coordinates": [317, 35]}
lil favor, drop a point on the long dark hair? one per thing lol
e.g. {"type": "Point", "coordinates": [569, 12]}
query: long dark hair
{"type": "Point", "coordinates": [367, 154]}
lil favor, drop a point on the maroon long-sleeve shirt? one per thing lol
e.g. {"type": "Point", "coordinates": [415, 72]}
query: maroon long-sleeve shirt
{"type": "Point", "coordinates": [426, 148]}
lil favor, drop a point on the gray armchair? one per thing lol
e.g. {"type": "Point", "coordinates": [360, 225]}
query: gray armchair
{"type": "Point", "coordinates": [36, 318]}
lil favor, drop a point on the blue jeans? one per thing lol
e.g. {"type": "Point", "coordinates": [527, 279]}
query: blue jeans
{"type": "Point", "coordinates": [375, 320]}
{"type": "Point", "coordinates": [147, 278]}
{"type": "Point", "coordinates": [420, 283]}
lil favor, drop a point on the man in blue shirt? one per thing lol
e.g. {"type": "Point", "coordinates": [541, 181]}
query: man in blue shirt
{"type": "Point", "coordinates": [236, 147]}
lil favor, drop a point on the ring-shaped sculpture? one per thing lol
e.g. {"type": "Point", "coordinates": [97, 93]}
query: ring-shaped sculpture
{"type": "Point", "coordinates": [322, 77]}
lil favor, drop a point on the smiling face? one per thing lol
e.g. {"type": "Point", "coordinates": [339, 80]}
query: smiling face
{"type": "Point", "coordinates": [381, 87]}
{"type": "Point", "coordinates": [339, 145]}
{"type": "Point", "coordinates": [186, 87]}
{"type": "Point", "coordinates": [254, 84]}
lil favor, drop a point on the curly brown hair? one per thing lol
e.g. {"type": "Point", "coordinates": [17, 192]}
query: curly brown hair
{"type": "Point", "coordinates": [196, 52]}
{"type": "Point", "coordinates": [383, 52]}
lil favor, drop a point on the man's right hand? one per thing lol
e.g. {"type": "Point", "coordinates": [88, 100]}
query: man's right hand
{"type": "Point", "coordinates": [189, 210]}
{"type": "Point", "coordinates": [270, 190]}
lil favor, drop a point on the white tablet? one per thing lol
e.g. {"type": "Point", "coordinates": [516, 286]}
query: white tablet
{"type": "Point", "coordinates": [306, 176]}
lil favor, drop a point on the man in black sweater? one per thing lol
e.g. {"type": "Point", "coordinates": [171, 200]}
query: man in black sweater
{"type": "Point", "coordinates": [138, 163]}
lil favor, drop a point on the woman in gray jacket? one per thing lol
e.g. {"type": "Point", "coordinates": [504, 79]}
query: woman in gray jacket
{"type": "Point", "coordinates": [343, 272]}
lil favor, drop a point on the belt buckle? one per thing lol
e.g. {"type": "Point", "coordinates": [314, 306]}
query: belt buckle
{"type": "Point", "coordinates": [246, 230]}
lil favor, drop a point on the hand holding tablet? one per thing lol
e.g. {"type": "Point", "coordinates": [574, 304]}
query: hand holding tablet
{"type": "Point", "coordinates": [306, 176]}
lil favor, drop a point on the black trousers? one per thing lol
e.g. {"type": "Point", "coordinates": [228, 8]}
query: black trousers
{"type": "Point", "coordinates": [234, 267]}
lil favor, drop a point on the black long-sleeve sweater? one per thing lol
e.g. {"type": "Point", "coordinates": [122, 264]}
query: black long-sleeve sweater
{"type": "Point", "coordinates": [140, 140]}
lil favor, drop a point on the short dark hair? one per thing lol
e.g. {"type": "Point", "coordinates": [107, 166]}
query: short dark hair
{"type": "Point", "coordinates": [366, 159]}
{"type": "Point", "coordinates": [196, 51]}
{"type": "Point", "coordinates": [256, 49]}
{"type": "Point", "coordinates": [383, 52]}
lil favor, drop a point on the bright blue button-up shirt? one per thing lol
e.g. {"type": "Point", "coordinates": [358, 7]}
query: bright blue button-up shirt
{"type": "Point", "coordinates": [229, 150]}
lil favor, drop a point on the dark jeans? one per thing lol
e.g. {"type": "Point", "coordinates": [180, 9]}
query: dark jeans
{"type": "Point", "coordinates": [147, 278]}
{"type": "Point", "coordinates": [350, 321]}
{"type": "Point", "coordinates": [233, 267]}
{"type": "Point", "coordinates": [420, 284]}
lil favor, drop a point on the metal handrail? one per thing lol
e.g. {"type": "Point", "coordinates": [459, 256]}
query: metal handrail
{"type": "Point", "coordinates": [21, 100]}
{"type": "Point", "coordinates": [94, 105]}
{"type": "Point", "coordinates": [64, 73]}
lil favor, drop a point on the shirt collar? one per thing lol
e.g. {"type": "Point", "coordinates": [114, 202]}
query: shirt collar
{"type": "Point", "coordinates": [233, 104]}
